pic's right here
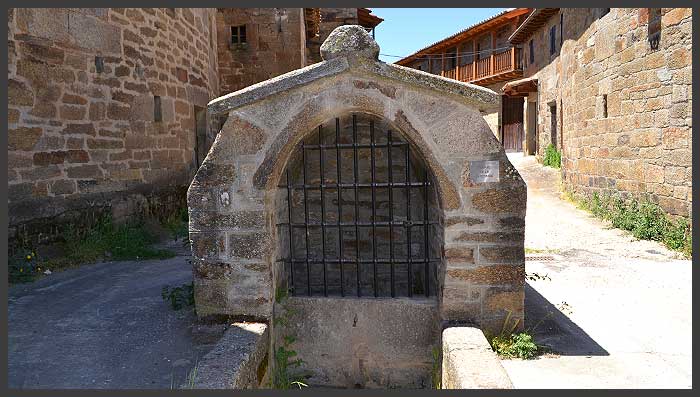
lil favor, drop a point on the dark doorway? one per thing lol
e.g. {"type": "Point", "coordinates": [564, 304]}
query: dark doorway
{"type": "Point", "coordinates": [531, 127]}
{"type": "Point", "coordinates": [512, 130]}
{"type": "Point", "coordinates": [200, 142]}
{"type": "Point", "coordinates": [553, 125]}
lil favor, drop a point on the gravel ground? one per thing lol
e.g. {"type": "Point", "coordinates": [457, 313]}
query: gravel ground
{"type": "Point", "coordinates": [628, 322]}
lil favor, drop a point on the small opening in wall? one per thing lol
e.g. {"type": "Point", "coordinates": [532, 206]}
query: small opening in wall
{"type": "Point", "coordinates": [532, 52]}
{"type": "Point", "coordinates": [552, 40]}
{"type": "Point", "coordinates": [654, 28]}
{"type": "Point", "coordinates": [99, 64]}
{"type": "Point", "coordinates": [157, 109]}
{"type": "Point", "coordinates": [605, 106]}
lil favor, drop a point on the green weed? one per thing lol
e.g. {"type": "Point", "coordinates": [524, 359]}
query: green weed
{"type": "Point", "coordinates": [179, 297]}
{"type": "Point", "coordinates": [108, 241]}
{"type": "Point", "coordinates": [643, 218]}
{"type": "Point", "coordinates": [552, 157]}
{"type": "Point", "coordinates": [286, 360]}
{"type": "Point", "coordinates": [178, 224]}
{"type": "Point", "coordinates": [23, 266]}
{"type": "Point", "coordinates": [436, 373]}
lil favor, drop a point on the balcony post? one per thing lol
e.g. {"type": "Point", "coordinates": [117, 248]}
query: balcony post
{"type": "Point", "coordinates": [457, 62]}
{"type": "Point", "coordinates": [442, 66]}
{"type": "Point", "coordinates": [512, 58]}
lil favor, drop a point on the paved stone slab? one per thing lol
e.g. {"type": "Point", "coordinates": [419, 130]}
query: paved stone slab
{"type": "Point", "coordinates": [238, 361]}
{"type": "Point", "coordinates": [468, 362]}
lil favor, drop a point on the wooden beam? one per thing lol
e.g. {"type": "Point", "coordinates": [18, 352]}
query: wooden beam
{"type": "Point", "coordinates": [457, 62]}
{"type": "Point", "coordinates": [442, 66]}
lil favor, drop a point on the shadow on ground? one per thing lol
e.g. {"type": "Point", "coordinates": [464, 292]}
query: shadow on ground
{"type": "Point", "coordinates": [554, 330]}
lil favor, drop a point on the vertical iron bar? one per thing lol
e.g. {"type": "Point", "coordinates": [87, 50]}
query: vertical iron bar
{"type": "Point", "coordinates": [291, 233]}
{"type": "Point", "coordinates": [408, 220]}
{"type": "Point", "coordinates": [323, 211]}
{"type": "Point", "coordinates": [357, 211]}
{"type": "Point", "coordinates": [425, 222]}
{"type": "Point", "coordinates": [374, 209]}
{"type": "Point", "coordinates": [391, 213]}
{"type": "Point", "coordinates": [340, 206]}
{"type": "Point", "coordinates": [306, 216]}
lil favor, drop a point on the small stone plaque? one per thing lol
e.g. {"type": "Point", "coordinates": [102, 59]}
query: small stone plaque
{"type": "Point", "coordinates": [482, 171]}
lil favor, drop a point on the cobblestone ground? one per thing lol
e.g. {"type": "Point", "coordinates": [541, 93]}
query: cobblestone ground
{"type": "Point", "coordinates": [628, 322]}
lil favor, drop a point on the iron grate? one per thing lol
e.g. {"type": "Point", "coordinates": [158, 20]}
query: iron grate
{"type": "Point", "coordinates": [352, 256]}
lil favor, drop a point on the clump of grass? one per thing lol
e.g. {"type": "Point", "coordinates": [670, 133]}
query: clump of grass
{"type": "Point", "coordinates": [552, 157]}
{"type": "Point", "coordinates": [179, 297]}
{"type": "Point", "coordinates": [509, 344]}
{"type": "Point", "coordinates": [107, 241]}
{"type": "Point", "coordinates": [518, 345]}
{"type": "Point", "coordinates": [643, 218]}
{"type": "Point", "coordinates": [178, 224]}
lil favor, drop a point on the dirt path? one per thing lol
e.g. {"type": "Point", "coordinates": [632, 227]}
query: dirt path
{"type": "Point", "coordinates": [104, 326]}
{"type": "Point", "coordinates": [630, 300]}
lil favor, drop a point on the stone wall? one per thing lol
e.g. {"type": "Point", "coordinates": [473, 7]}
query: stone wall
{"type": "Point", "coordinates": [102, 109]}
{"type": "Point", "coordinates": [643, 144]}
{"type": "Point", "coordinates": [275, 45]}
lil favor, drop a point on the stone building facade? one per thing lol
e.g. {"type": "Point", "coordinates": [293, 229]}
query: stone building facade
{"type": "Point", "coordinates": [104, 109]}
{"type": "Point", "coordinates": [256, 44]}
{"type": "Point", "coordinates": [107, 106]}
{"type": "Point", "coordinates": [614, 95]}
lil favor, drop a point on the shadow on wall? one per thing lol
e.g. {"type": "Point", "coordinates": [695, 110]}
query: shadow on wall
{"type": "Point", "coordinates": [557, 331]}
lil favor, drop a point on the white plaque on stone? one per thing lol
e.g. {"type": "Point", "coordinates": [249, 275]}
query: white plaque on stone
{"type": "Point", "coordinates": [483, 171]}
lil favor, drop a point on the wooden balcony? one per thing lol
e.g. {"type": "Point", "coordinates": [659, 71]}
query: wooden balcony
{"type": "Point", "coordinates": [506, 65]}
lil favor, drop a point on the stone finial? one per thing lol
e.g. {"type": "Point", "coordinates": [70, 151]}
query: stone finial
{"type": "Point", "coordinates": [349, 41]}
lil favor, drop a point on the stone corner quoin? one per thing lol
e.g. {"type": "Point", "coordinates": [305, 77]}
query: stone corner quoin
{"type": "Point", "coordinates": [234, 198]}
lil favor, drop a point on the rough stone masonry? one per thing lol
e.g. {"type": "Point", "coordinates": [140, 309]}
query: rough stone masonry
{"type": "Point", "coordinates": [234, 198]}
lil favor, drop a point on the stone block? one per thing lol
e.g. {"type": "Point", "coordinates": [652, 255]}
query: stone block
{"type": "Point", "coordinates": [463, 346]}
{"type": "Point", "coordinates": [249, 245]}
{"type": "Point", "coordinates": [62, 187]}
{"type": "Point", "coordinates": [498, 301]}
{"type": "Point", "coordinates": [84, 172]}
{"type": "Point", "coordinates": [240, 220]}
{"type": "Point", "coordinates": [501, 200]}
{"type": "Point", "coordinates": [491, 237]}
{"type": "Point", "coordinates": [489, 274]}
{"type": "Point", "coordinates": [94, 34]}
{"type": "Point", "coordinates": [459, 254]}
{"type": "Point", "coordinates": [237, 361]}
{"type": "Point", "coordinates": [23, 138]}
{"type": "Point", "coordinates": [19, 94]}
{"type": "Point", "coordinates": [207, 244]}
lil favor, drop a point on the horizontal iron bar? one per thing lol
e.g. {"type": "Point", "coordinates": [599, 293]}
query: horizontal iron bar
{"type": "Point", "coordinates": [395, 261]}
{"type": "Point", "coordinates": [353, 185]}
{"type": "Point", "coordinates": [354, 145]}
{"type": "Point", "coordinates": [364, 224]}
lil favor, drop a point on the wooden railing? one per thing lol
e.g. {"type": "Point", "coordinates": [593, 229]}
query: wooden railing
{"type": "Point", "coordinates": [503, 62]}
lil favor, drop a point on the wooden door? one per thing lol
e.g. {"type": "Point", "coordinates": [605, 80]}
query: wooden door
{"type": "Point", "coordinates": [512, 121]}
